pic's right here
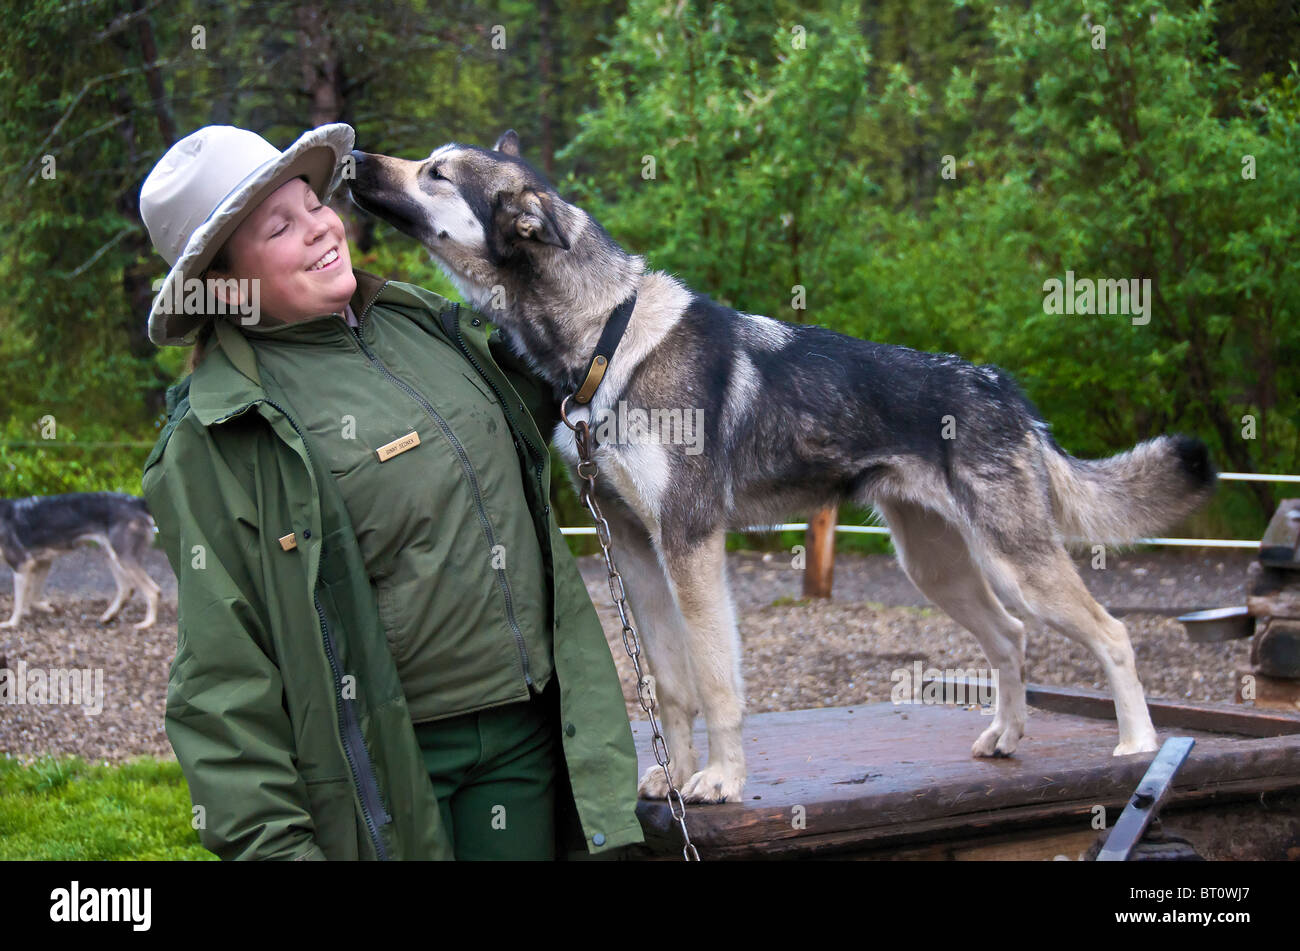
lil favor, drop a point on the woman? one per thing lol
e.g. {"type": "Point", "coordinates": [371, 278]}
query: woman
{"type": "Point", "coordinates": [385, 648]}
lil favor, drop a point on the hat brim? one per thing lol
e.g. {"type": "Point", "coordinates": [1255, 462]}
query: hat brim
{"type": "Point", "coordinates": [318, 155]}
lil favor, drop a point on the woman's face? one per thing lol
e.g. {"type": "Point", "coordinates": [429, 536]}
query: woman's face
{"type": "Point", "coordinates": [279, 243]}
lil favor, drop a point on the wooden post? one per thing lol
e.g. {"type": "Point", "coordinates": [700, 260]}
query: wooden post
{"type": "Point", "coordinates": [820, 568]}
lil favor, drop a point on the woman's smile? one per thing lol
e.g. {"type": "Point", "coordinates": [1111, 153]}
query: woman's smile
{"type": "Point", "coordinates": [328, 260]}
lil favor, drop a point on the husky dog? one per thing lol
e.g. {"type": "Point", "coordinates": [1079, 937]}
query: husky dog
{"type": "Point", "coordinates": [976, 493]}
{"type": "Point", "coordinates": [34, 530]}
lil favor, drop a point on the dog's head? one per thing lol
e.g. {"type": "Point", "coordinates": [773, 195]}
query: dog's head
{"type": "Point", "coordinates": [486, 215]}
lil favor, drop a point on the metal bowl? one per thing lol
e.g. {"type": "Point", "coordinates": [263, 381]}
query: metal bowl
{"type": "Point", "coordinates": [1218, 624]}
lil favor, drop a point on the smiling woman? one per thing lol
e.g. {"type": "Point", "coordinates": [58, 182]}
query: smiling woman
{"type": "Point", "coordinates": [381, 629]}
{"type": "Point", "coordinates": [294, 246]}
{"type": "Point", "coordinates": [254, 251]}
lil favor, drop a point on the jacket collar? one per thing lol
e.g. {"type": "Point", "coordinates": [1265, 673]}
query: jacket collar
{"type": "Point", "coordinates": [227, 379]}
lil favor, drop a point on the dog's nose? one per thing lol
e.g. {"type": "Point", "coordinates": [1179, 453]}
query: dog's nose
{"type": "Point", "coordinates": [360, 168]}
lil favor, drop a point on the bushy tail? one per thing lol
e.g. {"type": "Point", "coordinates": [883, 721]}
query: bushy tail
{"type": "Point", "coordinates": [1132, 494]}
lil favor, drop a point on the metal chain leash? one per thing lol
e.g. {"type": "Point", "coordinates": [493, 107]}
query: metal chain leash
{"type": "Point", "coordinates": [645, 695]}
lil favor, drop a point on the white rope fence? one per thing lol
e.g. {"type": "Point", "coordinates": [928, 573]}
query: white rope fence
{"type": "Point", "coordinates": [1186, 542]}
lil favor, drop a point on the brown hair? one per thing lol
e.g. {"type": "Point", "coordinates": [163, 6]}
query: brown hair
{"type": "Point", "coordinates": [220, 262]}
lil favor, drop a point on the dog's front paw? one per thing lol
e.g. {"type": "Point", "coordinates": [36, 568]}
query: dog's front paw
{"type": "Point", "coordinates": [1145, 745]}
{"type": "Point", "coordinates": [653, 784]}
{"type": "Point", "coordinates": [9, 623]}
{"type": "Point", "coordinates": [714, 784]}
{"type": "Point", "coordinates": [997, 740]}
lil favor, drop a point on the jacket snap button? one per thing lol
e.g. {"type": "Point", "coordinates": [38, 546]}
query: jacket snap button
{"type": "Point", "coordinates": [546, 510]}
{"type": "Point", "coordinates": [598, 838]}
{"type": "Point", "coordinates": [306, 533]}
{"type": "Point", "coordinates": [569, 729]}
{"type": "Point", "coordinates": [475, 321]}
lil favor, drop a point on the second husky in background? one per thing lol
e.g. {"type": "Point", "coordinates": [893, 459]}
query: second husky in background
{"type": "Point", "coordinates": [34, 530]}
{"type": "Point", "coordinates": [977, 494]}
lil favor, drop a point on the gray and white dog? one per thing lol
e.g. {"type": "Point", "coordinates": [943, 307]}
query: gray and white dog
{"type": "Point", "coordinates": [34, 530]}
{"type": "Point", "coordinates": [976, 493]}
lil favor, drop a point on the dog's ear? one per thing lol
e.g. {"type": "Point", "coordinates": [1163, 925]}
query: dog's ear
{"type": "Point", "coordinates": [537, 222]}
{"type": "Point", "coordinates": [508, 144]}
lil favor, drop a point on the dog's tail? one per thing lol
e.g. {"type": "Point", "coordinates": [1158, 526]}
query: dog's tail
{"type": "Point", "coordinates": [1132, 494]}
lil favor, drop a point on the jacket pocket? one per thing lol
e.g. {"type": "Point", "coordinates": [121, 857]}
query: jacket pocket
{"type": "Point", "coordinates": [387, 618]}
{"type": "Point", "coordinates": [481, 386]}
{"type": "Point", "coordinates": [333, 812]}
{"type": "Point", "coordinates": [333, 564]}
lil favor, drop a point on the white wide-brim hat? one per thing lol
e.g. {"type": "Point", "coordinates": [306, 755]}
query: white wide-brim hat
{"type": "Point", "coordinates": [205, 186]}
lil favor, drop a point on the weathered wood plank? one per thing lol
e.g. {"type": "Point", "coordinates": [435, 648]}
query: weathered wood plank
{"type": "Point", "coordinates": [827, 780]}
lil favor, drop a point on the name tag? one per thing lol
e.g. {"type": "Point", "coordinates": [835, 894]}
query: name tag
{"type": "Point", "coordinates": [398, 446]}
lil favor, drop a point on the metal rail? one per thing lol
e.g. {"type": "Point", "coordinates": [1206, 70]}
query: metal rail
{"type": "Point", "coordinates": [1242, 543]}
{"type": "Point", "coordinates": [1150, 795]}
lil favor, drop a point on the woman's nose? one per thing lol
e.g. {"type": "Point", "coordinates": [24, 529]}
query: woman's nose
{"type": "Point", "coordinates": [319, 227]}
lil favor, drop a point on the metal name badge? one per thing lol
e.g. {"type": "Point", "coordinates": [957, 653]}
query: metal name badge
{"type": "Point", "coordinates": [398, 446]}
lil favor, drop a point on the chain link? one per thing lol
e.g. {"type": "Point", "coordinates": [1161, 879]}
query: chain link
{"type": "Point", "coordinates": [645, 693]}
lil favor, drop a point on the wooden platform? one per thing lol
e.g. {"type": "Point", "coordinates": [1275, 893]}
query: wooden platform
{"type": "Point", "coordinates": [886, 781]}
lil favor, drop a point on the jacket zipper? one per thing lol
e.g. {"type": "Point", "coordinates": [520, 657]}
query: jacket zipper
{"type": "Point", "coordinates": [502, 581]}
{"type": "Point", "coordinates": [363, 779]}
{"type": "Point", "coordinates": [505, 405]}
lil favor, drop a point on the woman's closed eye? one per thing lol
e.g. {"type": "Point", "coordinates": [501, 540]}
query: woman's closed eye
{"type": "Point", "coordinates": [285, 226]}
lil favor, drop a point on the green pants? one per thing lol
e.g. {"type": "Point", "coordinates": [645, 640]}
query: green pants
{"type": "Point", "coordinates": [493, 772]}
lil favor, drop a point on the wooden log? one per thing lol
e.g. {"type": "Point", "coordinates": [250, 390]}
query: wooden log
{"type": "Point", "coordinates": [1268, 693]}
{"type": "Point", "coordinates": [1281, 543]}
{"type": "Point", "coordinates": [1275, 650]}
{"type": "Point", "coordinates": [1272, 591]}
{"type": "Point", "coordinates": [820, 570]}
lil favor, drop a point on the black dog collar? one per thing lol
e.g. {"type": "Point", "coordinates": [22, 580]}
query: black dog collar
{"type": "Point", "coordinates": [605, 347]}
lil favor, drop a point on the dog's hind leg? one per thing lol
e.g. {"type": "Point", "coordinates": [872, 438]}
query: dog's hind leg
{"type": "Point", "coordinates": [130, 544]}
{"type": "Point", "coordinates": [699, 579]}
{"type": "Point", "coordinates": [151, 591]}
{"type": "Point", "coordinates": [664, 637]}
{"type": "Point", "coordinates": [937, 558]}
{"type": "Point", "coordinates": [1055, 592]}
{"type": "Point", "coordinates": [124, 585]}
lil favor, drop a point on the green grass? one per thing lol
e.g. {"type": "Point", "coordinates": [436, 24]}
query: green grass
{"type": "Point", "coordinates": [68, 809]}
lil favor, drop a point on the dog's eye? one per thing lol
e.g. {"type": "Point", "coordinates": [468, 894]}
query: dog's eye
{"type": "Point", "coordinates": [434, 173]}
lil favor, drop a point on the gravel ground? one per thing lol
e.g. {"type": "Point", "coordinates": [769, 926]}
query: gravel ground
{"type": "Point", "coordinates": [796, 655]}
{"type": "Point", "coordinates": [801, 654]}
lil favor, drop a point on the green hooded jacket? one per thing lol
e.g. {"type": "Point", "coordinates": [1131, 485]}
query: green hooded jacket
{"type": "Point", "coordinates": [284, 705]}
